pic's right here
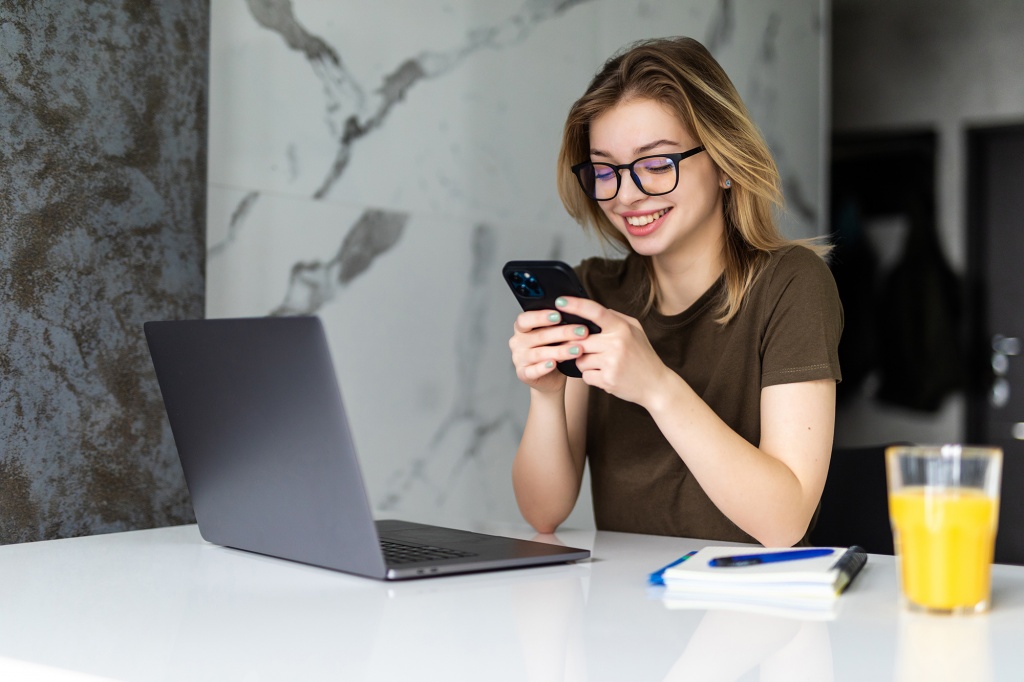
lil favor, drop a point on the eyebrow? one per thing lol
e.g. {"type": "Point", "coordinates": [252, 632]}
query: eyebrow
{"type": "Point", "coordinates": [639, 151]}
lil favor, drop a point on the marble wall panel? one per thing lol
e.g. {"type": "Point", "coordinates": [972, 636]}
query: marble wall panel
{"type": "Point", "coordinates": [377, 166]}
{"type": "Point", "coordinates": [102, 227]}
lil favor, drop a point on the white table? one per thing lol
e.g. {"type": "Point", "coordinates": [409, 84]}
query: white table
{"type": "Point", "coordinates": [165, 605]}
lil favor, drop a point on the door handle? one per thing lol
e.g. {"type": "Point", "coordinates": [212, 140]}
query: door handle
{"type": "Point", "coordinates": [1006, 345]}
{"type": "Point", "coordinates": [1003, 348]}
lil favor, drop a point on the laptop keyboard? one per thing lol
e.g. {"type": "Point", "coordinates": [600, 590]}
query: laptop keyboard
{"type": "Point", "coordinates": [397, 553]}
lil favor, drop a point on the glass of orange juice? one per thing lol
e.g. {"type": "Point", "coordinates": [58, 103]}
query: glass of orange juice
{"type": "Point", "coordinates": [944, 509]}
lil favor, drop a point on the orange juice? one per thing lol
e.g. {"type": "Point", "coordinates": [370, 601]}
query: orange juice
{"type": "Point", "coordinates": [945, 540]}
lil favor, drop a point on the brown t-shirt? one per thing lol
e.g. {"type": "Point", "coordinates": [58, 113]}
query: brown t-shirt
{"type": "Point", "coordinates": [786, 331]}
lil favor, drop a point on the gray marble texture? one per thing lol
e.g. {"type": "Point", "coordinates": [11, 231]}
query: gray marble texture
{"type": "Point", "coordinates": [103, 112]}
{"type": "Point", "coordinates": [376, 168]}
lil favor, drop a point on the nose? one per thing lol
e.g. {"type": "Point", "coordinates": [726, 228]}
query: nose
{"type": "Point", "coordinates": [629, 188]}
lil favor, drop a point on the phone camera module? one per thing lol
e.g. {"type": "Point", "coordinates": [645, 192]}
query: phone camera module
{"type": "Point", "coordinates": [526, 285]}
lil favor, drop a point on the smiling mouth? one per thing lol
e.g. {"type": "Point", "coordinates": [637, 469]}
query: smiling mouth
{"type": "Point", "coordinates": [641, 220]}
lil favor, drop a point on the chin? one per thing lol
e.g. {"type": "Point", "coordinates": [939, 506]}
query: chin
{"type": "Point", "coordinates": [646, 247]}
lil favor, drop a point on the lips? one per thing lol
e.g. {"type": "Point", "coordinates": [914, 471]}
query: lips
{"type": "Point", "coordinates": [644, 224]}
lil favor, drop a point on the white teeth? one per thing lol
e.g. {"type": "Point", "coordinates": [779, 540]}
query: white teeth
{"type": "Point", "coordinates": [641, 220]}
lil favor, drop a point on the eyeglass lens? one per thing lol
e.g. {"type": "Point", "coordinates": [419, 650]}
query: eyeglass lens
{"type": "Point", "coordinates": [654, 174]}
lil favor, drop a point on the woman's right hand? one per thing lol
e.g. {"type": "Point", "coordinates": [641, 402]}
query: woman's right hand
{"type": "Point", "coordinates": [533, 354]}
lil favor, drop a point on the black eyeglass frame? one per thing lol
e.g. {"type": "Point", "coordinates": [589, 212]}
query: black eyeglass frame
{"type": "Point", "coordinates": [676, 157]}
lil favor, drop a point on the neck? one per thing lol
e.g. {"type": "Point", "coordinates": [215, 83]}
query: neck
{"type": "Point", "coordinates": [683, 278]}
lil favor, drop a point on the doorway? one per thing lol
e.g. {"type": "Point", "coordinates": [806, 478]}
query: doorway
{"type": "Point", "coordinates": [995, 277]}
{"type": "Point", "coordinates": [902, 349]}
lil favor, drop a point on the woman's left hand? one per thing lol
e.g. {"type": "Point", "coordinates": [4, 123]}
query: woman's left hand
{"type": "Point", "coordinates": [619, 360]}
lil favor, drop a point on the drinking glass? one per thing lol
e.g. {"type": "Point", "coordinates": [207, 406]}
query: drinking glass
{"type": "Point", "coordinates": [944, 509]}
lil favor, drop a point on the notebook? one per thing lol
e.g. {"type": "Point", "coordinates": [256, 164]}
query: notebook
{"type": "Point", "coordinates": [797, 576]}
{"type": "Point", "coordinates": [269, 461]}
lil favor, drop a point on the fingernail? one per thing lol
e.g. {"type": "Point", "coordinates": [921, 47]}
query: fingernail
{"type": "Point", "coordinates": [575, 350]}
{"type": "Point", "coordinates": [554, 317]}
{"type": "Point", "coordinates": [561, 302]}
{"type": "Point", "coordinates": [549, 364]}
{"type": "Point", "coordinates": [579, 331]}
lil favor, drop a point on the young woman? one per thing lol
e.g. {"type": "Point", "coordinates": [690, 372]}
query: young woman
{"type": "Point", "coordinates": [707, 402]}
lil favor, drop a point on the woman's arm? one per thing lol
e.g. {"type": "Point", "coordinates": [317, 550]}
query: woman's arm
{"type": "Point", "coordinates": [770, 491]}
{"type": "Point", "coordinates": [548, 467]}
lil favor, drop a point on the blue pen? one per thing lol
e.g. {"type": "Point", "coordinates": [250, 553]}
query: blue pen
{"type": "Point", "coordinates": [769, 557]}
{"type": "Point", "coordinates": [657, 578]}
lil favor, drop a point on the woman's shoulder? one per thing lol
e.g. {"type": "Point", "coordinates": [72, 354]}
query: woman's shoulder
{"type": "Point", "coordinates": [797, 274]}
{"type": "Point", "coordinates": [798, 254]}
{"type": "Point", "coordinates": [797, 261]}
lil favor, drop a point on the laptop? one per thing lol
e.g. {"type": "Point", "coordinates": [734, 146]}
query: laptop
{"type": "Point", "coordinates": [268, 456]}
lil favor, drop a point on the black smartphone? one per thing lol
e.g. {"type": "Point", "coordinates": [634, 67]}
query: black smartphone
{"type": "Point", "coordinates": [537, 283]}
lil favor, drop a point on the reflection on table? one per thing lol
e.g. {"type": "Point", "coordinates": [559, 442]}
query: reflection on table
{"type": "Point", "coordinates": [729, 644]}
{"type": "Point", "coordinates": [935, 648]}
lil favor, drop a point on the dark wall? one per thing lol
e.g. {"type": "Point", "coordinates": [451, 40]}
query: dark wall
{"type": "Point", "coordinates": [102, 227]}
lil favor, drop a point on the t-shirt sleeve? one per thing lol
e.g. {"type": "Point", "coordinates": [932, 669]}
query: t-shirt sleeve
{"type": "Point", "coordinates": [803, 320]}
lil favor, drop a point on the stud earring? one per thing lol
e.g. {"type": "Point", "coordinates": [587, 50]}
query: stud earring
{"type": "Point", "coordinates": [728, 183]}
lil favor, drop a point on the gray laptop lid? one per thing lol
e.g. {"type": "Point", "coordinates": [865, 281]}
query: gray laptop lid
{"type": "Point", "coordinates": [269, 461]}
{"type": "Point", "coordinates": [267, 454]}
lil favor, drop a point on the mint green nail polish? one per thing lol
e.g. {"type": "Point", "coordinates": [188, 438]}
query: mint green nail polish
{"type": "Point", "coordinates": [575, 350]}
{"type": "Point", "coordinates": [549, 364]}
{"type": "Point", "coordinates": [554, 317]}
{"type": "Point", "coordinates": [579, 331]}
{"type": "Point", "coordinates": [561, 302]}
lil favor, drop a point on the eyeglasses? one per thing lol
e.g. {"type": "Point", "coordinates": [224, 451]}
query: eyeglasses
{"type": "Point", "coordinates": [653, 175]}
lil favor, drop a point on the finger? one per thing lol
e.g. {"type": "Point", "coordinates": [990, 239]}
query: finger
{"type": "Point", "coordinates": [535, 319]}
{"type": "Point", "coordinates": [535, 371]}
{"type": "Point", "coordinates": [540, 355]}
{"type": "Point", "coordinates": [603, 342]}
{"type": "Point", "coordinates": [590, 367]}
{"type": "Point", "coordinates": [589, 371]}
{"type": "Point", "coordinates": [587, 309]}
{"type": "Point", "coordinates": [588, 359]}
{"type": "Point", "coordinates": [555, 335]}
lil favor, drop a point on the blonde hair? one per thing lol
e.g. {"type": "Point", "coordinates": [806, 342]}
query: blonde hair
{"type": "Point", "coordinates": [680, 74]}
